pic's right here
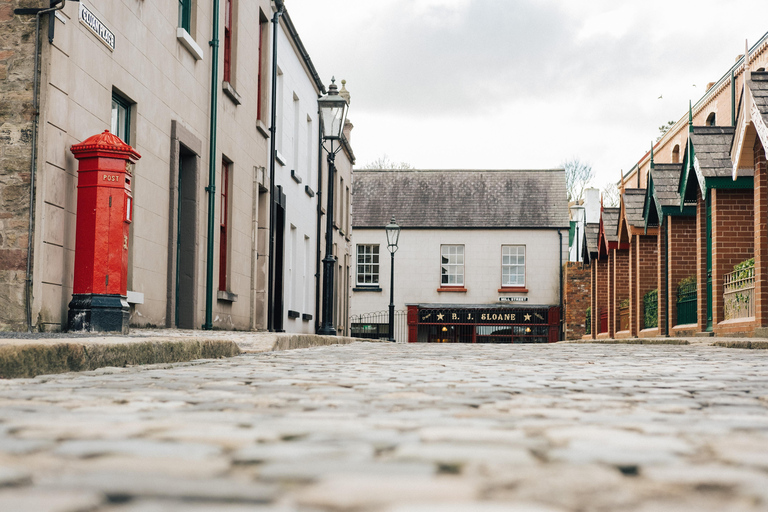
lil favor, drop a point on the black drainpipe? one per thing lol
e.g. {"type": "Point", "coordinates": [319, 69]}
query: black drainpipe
{"type": "Point", "coordinates": [33, 159]}
{"type": "Point", "coordinates": [272, 149]}
{"type": "Point", "coordinates": [319, 220]}
{"type": "Point", "coordinates": [562, 310]}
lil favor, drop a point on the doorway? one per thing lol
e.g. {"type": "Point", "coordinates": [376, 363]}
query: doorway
{"type": "Point", "coordinates": [279, 266]}
{"type": "Point", "coordinates": [186, 240]}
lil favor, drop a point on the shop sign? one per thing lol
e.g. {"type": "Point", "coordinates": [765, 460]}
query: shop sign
{"type": "Point", "coordinates": [482, 316]}
{"type": "Point", "coordinates": [513, 299]}
{"type": "Point", "coordinates": [95, 25]}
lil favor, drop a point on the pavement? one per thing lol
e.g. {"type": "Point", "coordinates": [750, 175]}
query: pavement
{"type": "Point", "coordinates": [385, 427]}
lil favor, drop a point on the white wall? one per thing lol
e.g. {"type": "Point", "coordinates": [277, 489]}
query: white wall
{"type": "Point", "coordinates": [417, 267]}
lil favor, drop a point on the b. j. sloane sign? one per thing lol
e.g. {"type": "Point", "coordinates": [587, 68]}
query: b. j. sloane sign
{"type": "Point", "coordinates": [95, 25]}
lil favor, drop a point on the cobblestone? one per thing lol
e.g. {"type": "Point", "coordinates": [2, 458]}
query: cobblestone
{"type": "Point", "coordinates": [396, 428]}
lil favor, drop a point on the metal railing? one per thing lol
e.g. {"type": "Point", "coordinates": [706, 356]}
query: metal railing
{"type": "Point", "coordinates": [687, 304]}
{"type": "Point", "coordinates": [738, 294]}
{"type": "Point", "coordinates": [651, 309]}
{"type": "Point", "coordinates": [376, 326]}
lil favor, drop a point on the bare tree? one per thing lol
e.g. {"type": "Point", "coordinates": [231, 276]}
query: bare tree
{"type": "Point", "coordinates": [610, 194]}
{"type": "Point", "coordinates": [384, 162]}
{"type": "Point", "coordinates": [577, 175]}
{"type": "Point", "coordinates": [663, 129]}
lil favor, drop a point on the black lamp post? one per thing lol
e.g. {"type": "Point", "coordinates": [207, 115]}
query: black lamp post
{"type": "Point", "coordinates": [333, 113]}
{"type": "Point", "coordinates": [393, 235]}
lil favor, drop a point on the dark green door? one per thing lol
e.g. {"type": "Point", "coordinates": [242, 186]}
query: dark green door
{"type": "Point", "coordinates": [709, 261]}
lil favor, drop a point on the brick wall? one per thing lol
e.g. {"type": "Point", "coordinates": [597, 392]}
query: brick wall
{"type": "Point", "coordinates": [647, 280]}
{"type": "Point", "coordinates": [621, 286]}
{"type": "Point", "coordinates": [16, 115]}
{"type": "Point", "coordinates": [681, 236]}
{"type": "Point", "coordinates": [732, 242]}
{"type": "Point", "coordinates": [701, 261]}
{"type": "Point", "coordinates": [578, 282]}
{"type": "Point", "coordinates": [761, 236]}
{"type": "Point", "coordinates": [602, 289]}
{"type": "Point", "coordinates": [633, 276]}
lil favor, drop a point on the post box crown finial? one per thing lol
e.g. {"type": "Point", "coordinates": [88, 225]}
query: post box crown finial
{"type": "Point", "coordinates": [106, 142]}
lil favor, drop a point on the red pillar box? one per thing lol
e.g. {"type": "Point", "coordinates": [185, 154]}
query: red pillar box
{"type": "Point", "coordinates": [104, 214]}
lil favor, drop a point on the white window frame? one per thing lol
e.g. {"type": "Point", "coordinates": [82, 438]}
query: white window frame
{"type": "Point", "coordinates": [452, 271]}
{"type": "Point", "coordinates": [507, 264]}
{"type": "Point", "coordinates": [370, 268]}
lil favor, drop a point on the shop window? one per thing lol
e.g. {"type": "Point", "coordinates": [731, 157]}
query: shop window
{"type": "Point", "coordinates": [676, 154]}
{"type": "Point", "coordinates": [224, 224]}
{"type": "Point", "coordinates": [711, 119]}
{"type": "Point", "coordinates": [367, 264]}
{"type": "Point", "coordinates": [452, 265]}
{"type": "Point", "coordinates": [513, 265]}
{"type": "Point", "coordinates": [121, 118]}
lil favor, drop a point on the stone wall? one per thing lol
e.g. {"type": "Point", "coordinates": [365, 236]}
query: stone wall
{"type": "Point", "coordinates": [17, 33]}
{"type": "Point", "coordinates": [578, 281]}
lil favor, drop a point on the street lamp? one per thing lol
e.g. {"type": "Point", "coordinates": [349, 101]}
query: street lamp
{"type": "Point", "coordinates": [393, 235]}
{"type": "Point", "coordinates": [333, 114]}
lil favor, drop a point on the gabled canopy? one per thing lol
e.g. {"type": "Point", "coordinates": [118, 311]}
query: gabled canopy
{"type": "Point", "coordinates": [706, 157]}
{"type": "Point", "coordinates": [631, 217]}
{"type": "Point", "coordinates": [662, 197]}
{"type": "Point", "coordinates": [751, 126]}
{"type": "Point", "coordinates": [608, 237]}
{"type": "Point", "coordinates": [590, 246]}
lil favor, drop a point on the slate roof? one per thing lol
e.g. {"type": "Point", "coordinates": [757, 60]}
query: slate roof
{"type": "Point", "coordinates": [712, 146]}
{"type": "Point", "coordinates": [665, 181]}
{"type": "Point", "coordinates": [634, 199]}
{"type": "Point", "coordinates": [460, 198]}
{"type": "Point", "coordinates": [759, 89]}
{"type": "Point", "coordinates": [591, 233]}
{"type": "Point", "coordinates": [611, 223]}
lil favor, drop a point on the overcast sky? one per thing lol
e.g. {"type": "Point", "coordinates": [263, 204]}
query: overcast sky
{"type": "Point", "coordinates": [512, 84]}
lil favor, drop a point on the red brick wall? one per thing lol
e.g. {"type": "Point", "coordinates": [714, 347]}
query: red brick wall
{"type": "Point", "coordinates": [681, 234]}
{"type": "Point", "coordinates": [621, 287]}
{"type": "Point", "coordinates": [633, 277]}
{"type": "Point", "coordinates": [647, 279]}
{"type": "Point", "coordinates": [732, 240]}
{"type": "Point", "coordinates": [761, 236]}
{"type": "Point", "coordinates": [602, 289]}
{"type": "Point", "coordinates": [577, 298]}
{"type": "Point", "coordinates": [701, 261]}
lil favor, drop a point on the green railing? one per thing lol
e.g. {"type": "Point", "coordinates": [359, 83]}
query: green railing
{"type": "Point", "coordinates": [686, 303]}
{"type": "Point", "coordinates": [651, 306]}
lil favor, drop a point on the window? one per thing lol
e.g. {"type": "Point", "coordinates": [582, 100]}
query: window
{"type": "Point", "coordinates": [224, 221]}
{"type": "Point", "coordinates": [185, 15]}
{"type": "Point", "coordinates": [121, 118]}
{"type": "Point", "coordinates": [367, 265]}
{"type": "Point", "coordinates": [228, 41]}
{"type": "Point", "coordinates": [296, 134]}
{"type": "Point", "coordinates": [711, 119]}
{"type": "Point", "coordinates": [513, 265]}
{"type": "Point", "coordinates": [262, 65]}
{"type": "Point", "coordinates": [452, 265]}
{"type": "Point", "coordinates": [676, 154]}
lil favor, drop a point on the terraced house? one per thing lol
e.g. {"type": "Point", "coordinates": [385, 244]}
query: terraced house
{"type": "Point", "coordinates": [693, 226]}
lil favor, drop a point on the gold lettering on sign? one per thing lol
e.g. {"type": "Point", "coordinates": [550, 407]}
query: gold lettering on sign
{"type": "Point", "coordinates": [454, 316]}
{"type": "Point", "coordinates": [469, 316]}
{"type": "Point", "coordinates": [111, 177]}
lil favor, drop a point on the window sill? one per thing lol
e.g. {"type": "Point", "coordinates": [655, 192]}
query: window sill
{"type": "Point", "coordinates": [279, 157]}
{"type": "Point", "coordinates": [309, 191]}
{"type": "Point", "coordinates": [295, 177]}
{"type": "Point", "coordinates": [226, 296]}
{"type": "Point", "coordinates": [293, 314]}
{"type": "Point", "coordinates": [231, 93]}
{"type": "Point", "coordinates": [457, 289]}
{"type": "Point", "coordinates": [262, 128]}
{"type": "Point", "coordinates": [367, 289]}
{"type": "Point", "coordinates": [306, 317]}
{"type": "Point", "coordinates": [187, 42]}
{"type": "Point", "coordinates": [513, 289]}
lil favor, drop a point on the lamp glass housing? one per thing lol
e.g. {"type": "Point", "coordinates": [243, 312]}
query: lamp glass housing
{"type": "Point", "coordinates": [333, 110]}
{"type": "Point", "coordinates": [393, 235]}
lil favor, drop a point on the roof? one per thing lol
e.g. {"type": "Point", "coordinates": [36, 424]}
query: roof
{"type": "Point", "coordinates": [712, 148]}
{"type": "Point", "coordinates": [633, 206]}
{"type": "Point", "coordinates": [665, 181]}
{"type": "Point", "coordinates": [460, 198]}
{"type": "Point", "coordinates": [611, 223]}
{"type": "Point", "coordinates": [759, 88]}
{"type": "Point", "coordinates": [591, 233]}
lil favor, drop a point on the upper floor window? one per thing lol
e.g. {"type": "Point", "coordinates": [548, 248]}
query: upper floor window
{"type": "Point", "coordinates": [711, 119]}
{"type": "Point", "coordinates": [513, 265]}
{"type": "Point", "coordinates": [121, 118]}
{"type": "Point", "coordinates": [228, 29]}
{"type": "Point", "coordinates": [452, 265]}
{"type": "Point", "coordinates": [676, 154]}
{"type": "Point", "coordinates": [368, 264]}
{"type": "Point", "coordinates": [185, 15]}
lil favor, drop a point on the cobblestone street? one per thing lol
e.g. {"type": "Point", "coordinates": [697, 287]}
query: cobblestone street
{"type": "Point", "coordinates": [392, 427]}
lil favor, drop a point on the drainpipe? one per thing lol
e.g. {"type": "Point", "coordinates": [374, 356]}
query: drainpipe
{"type": "Point", "coordinates": [562, 311]}
{"type": "Point", "coordinates": [319, 221]}
{"type": "Point", "coordinates": [211, 188]}
{"type": "Point", "coordinates": [273, 133]}
{"type": "Point", "coordinates": [33, 159]}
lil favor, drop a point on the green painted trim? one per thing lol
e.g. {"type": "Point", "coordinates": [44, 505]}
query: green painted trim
{"type": "Point", "coordinates": [674, 211]}
{"type": "Point", "coordinates": [741, 183]}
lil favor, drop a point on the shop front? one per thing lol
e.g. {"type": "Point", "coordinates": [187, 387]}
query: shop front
{"type": "Point", "coordinates": [440, 323]}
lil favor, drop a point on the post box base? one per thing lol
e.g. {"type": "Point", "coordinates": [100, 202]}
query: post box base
{"type": "Point", "coordinates": [98, 313]}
